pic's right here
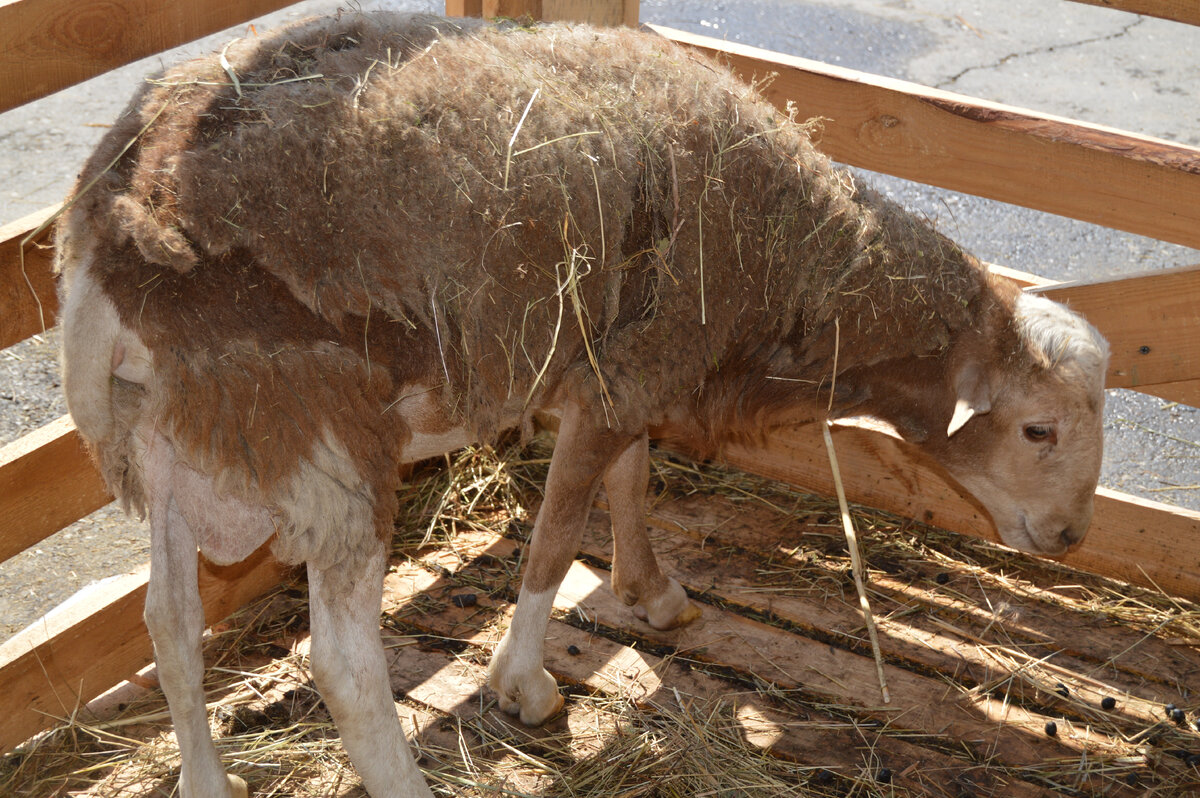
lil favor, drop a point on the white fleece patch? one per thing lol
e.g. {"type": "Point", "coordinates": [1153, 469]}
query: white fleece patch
{"type": "Point", "coordinates": [327, 509]}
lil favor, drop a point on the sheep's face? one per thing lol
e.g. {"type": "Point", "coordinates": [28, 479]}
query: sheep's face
{"type": "Point", "coordinates": [1033, 461]}
{"type": "Point", "coordinates": [1026, 439]}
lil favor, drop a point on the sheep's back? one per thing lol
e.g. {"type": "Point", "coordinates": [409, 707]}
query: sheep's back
{"type": "Point", "coordinates": [513, 214]}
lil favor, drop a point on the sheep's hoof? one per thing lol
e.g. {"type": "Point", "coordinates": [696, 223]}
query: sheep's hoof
{"type": "Point", "coordinates": [523, 687]}
{"type": "Point", "coordinates": [533, 711]}
{"type": "Point", "coordinates": [237, 786]}
{"type": "Point", "coordinates": [671, 609]}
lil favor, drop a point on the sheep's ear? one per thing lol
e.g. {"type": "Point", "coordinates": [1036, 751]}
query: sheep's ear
{"type": "Point", "coordinates": [974, 397]}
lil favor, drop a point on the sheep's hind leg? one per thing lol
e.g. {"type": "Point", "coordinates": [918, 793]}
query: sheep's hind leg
{"type": "Point", "coordinates": [350, 669]}
{"type": "Point", "coordinates": [175, 618]}
{"type": "Point", "coordinates": [636, 578]}
{"type": "Point", "coordinates": [581, 456]}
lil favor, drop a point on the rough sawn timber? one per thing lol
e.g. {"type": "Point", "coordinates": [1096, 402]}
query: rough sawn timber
{"type": "Point", "coordinates": [1177, 10]}
{"type": "Point", "coordinates": [1151, 186]}
{"type": "Point", "coordinates": [46, 483]}
{"type": "Point", "coordinates": [96, 640]}
{"type": "Point", "coordinates": [1134, 540]}
{"type": "Point", "coordinates": [27, 292]}
{"type": "Point", "coordinates": [47, 45]}
{"type": "Point", "coordinates": [605, 665]}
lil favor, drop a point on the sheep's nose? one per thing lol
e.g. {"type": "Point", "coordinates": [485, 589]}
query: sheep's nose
{"type": "Point", "coordinates": [1072, 536]}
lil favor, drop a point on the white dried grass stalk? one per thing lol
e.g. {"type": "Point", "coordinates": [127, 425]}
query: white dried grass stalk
{"type": "Point", "coordinates": [856, 563]}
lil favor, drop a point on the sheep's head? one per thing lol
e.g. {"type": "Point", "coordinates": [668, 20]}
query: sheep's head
{"type": "Point", "coordinates": [1025, 434]}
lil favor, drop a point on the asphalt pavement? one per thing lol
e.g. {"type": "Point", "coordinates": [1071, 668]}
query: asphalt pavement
{"type": "Point", "coordinates": [1098, 65]}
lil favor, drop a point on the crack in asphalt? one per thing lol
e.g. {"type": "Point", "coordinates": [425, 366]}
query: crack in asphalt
{"type": "Point", "coordinates": [1039, 50]}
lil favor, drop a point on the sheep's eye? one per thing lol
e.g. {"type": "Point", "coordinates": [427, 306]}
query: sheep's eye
{"type": "Point", "coordinates": [1039, 433]}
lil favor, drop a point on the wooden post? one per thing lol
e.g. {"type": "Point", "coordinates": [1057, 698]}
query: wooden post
{"type": "Point", "coordinates": [464, 8]}
{"type": "Point", "coordinates": [595, 12]}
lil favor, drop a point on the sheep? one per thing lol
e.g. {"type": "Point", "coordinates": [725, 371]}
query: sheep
{"type": "Point", "coordinates": [293, 268]}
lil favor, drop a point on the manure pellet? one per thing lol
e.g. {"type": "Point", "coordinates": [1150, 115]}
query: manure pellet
{"type": "Point", "coordinates": [462, 600]}
{"type": "Point", "coordinates": [1051, 728]}
{"type": "Point", "coordinates": [823, 776]}
{"type": "Point", "coordinates": [1108, 702]}
{"type": "Point", "coordinates": [884, 776]}
{"type": "Point", "coordinates": [1178, 716]}
{"type": "Point", "coordinates": [942, 578]}
{"type": "Point", "coordinates": [1132, 779]}
{"type": "Point", "coordinates": [1193, 760]}
{"type": "Point", "coordinates": [573, 650]}
{"type": "Point", "coordinates": [1062, 690]}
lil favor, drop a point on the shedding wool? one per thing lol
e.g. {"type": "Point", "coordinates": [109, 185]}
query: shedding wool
{"type": "Point", "coordinates": [356, 211]}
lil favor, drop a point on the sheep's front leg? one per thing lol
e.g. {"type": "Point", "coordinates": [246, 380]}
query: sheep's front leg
{"type": "Point", "coordinates": [175, 618]}
{"type": "Point", "coordinates": [350, 669]}
{"type": "Point", "coordinates": [582, 454]}
{"type": "Point", "coordinates": [636, 578]}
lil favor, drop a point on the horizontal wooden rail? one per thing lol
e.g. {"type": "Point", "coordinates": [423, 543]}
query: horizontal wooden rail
{"type": "Point", "coordinates": [1115, 315]}
{"type": "Point", "coordinates": [1152, 322]}
{"type": "Point", "coordinates": [48, 45]}
{"type": "Point", "coordinates": [47, 481]}
{"type": "Point", "coordinates": [1131, 539]}
{"type": "Point", "coordinates": [98, 639]}
{"type": "Point", "coordinates": [1176, 10]}
{"type": "Point", "coordinates": [1149, 187]}
{"type": "Point", "coordinates": [28, 299]}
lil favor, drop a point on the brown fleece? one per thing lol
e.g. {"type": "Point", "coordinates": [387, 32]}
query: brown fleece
{"type": "Point", "coordinates": [383, 202]}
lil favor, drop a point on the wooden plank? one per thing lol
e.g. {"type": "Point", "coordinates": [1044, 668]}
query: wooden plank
{"type": "Point", "coordinates": [1185, 391]}
{"type": "Point", "coordinates": [716, 547]}
{"type": "Point", "coordinates": [985, 727]}
{"type": "Point", "coordinates": [1145, 186]}
{"type": "Point", "coordinates": [1131, 539]}
{"type": "Point", "coordinates": [96, 640]}
{"type": "Point", "coordinates": [610, 667]}
{"type": "Point", "coordinates": [1116, 322]}
{"type": "Point", "coordinates": [593, 12]}
{"type": "Point", "coordinates": [1176, 10]}
{"type": "Point", "coordinates": [464, 8]}
{"type": "Point", "coordinates": [47, 481]}
{"type": "Point", "coordinates": [607, 12]}
{"type": "Point", "coordinates": [47, 45]}
{"type": "Point", "coordinates": [28, 299]}
{"type": "Point", "coordinates": [512, 9]}
{"type": "Point", "coordinates": [1151, 320]}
